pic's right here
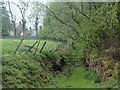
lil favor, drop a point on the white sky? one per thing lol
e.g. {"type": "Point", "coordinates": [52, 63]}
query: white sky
{"type": "Point", "coordinates": [15, 10]}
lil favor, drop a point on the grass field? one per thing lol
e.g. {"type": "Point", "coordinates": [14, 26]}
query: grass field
{"type": "Point", "coordinates": [27, 71]}
{"type": "Point", "coordinates": [9, 45]}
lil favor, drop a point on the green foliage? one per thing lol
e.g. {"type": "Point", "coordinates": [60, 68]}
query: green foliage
{"type": "Point", "coordinates": [50, 55]}
{"type": "Point", "coordinates": [93, 27]}
{"type": "Point", "coordinates": [6, 24]}
{"type": "Point", "coordinates": [91, 75]}
{"type": "Point", "coordinates": [118, 12]}
{"type": "Point", "coordinates": [22, 71]}
{"type": "Point", "coordinates": [90, 23]}
{"type": "Point", "coordinates": [75, 80]}
{"type": "Point", "coordinates": [27, 71]}
{"type": "Point", "coordinates": [52, 26]}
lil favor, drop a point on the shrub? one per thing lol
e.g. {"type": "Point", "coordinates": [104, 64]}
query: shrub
{"type": "Point", "coordinates": [91, 75]}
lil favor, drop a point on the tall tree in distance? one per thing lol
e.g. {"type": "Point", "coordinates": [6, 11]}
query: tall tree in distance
{"type": "Point", "coordinates": [13, 18]}
{"type": "Point", "coordinates": [23, 6]}
{"type": "Point", "coordinates": [6, 24]}
{"type": "Point", "coordinates": [37, 13]}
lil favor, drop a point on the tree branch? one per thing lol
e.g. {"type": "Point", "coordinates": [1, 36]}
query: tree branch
{"type": "Point", "coordinates": [61, 20]}
{"type": "Point", "coordinates": [19, 9]}
{"type": "Point", "coordinates": [81, 12]}
{"type": "Point", "coordinates": [72, 16]}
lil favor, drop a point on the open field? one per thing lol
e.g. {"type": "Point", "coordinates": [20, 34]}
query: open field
{"type": "Point", "coordinates": [9, 45]}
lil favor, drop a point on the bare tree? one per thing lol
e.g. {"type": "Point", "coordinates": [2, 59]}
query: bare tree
{"type": "Point", "coordinates": [37, 12]}
{"type": "Point", "coordinates": [23, 7]}
{"type": "Point", "coordinates": [13, 18]}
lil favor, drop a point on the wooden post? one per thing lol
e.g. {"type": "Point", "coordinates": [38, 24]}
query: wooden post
{"type": "Point", "coordinates": [43, 46]}
{"type": "Point", "coordinates": [18, 46]}
{"type": "Point", "coordinates": [37, 47]}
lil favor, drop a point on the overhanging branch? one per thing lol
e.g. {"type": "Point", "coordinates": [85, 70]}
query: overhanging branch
{"type": "Point", "coordinates": [61, 20]}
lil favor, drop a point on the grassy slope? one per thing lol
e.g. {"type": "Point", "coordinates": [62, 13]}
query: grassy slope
{"type": "Point", "coordinates": [17, 69]}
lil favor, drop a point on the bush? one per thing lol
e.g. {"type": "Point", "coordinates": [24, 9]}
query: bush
{"type": "Point", "coordinates": [50, 55]}
{"type": "Point", "coordinates": [91, 75]}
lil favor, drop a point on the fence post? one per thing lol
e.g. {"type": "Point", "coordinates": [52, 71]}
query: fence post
{"type": "Point", "coordinates": [43, 46]}
{"type": "Point", "coordinates": [37, 47]}
{"type": "Point", "coordinates": [18, 46]}
{"type": "Point", "coordinates": [31, 46]}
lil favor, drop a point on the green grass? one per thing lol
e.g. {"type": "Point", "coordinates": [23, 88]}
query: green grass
{"type": "Point", "coordinates": [9, 45]}
{"type": "Point", "coordinates": [76, 80]}
{"type": "Point", "coordinates": [17, 68]}
{"type": "Point", "coordinates": [25, 70]}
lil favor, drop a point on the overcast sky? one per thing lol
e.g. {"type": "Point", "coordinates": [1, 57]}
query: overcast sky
{"type": "Point", "coordinates": [15, 10]}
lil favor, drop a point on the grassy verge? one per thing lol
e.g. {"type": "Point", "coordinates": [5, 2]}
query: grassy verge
{"type": "Point", "coordinates": [28, 71]}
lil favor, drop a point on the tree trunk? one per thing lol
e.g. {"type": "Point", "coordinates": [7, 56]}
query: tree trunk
{"type": "Point", "coordinates": [12, 17]}
{"type": "Point", "coordinates": [24, 26]}
{"type": "Point", "coordinates": [36, 24]}
{"type": "Point", "coordinates": [14, 26]}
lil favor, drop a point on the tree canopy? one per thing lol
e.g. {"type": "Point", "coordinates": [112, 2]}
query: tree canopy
{"type": "Point", "coordinates": [93, 23]}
